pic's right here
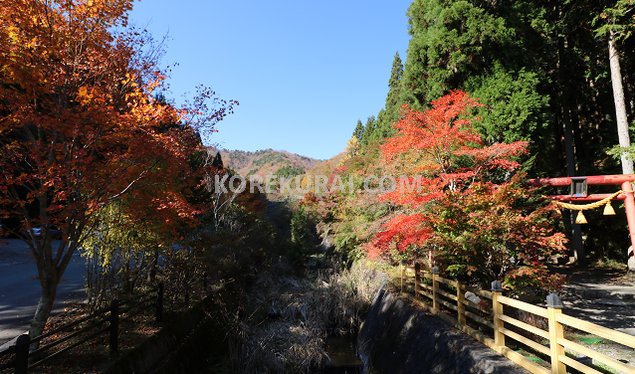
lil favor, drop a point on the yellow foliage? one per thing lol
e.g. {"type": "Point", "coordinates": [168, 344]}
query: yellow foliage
{"type": "Point", "coordinates": [84, 96]}
{"type": "Point", "coordinates": [352, 147]}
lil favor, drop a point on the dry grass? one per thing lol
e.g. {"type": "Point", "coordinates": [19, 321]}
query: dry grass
{"type": "Point", "coordinates": [289, 318]}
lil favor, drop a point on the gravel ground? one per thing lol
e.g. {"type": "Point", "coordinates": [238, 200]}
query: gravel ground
{"type": "Point", "coordinates": [607, 299]}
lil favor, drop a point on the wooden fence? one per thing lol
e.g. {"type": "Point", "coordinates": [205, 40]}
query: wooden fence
{"type": "Point", "coordinates": [535, 330]}
{"type": "Point", "coordinates": [22, 358]}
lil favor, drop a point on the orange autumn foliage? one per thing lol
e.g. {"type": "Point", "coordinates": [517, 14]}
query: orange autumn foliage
{"type": "Point", "coordinates": [83, 124]}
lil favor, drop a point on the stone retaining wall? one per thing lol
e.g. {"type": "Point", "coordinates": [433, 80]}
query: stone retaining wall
{"type": "Point", "coordinates": [398, 337]}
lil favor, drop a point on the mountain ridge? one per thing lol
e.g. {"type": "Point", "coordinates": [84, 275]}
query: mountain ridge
{"type": "Point", "coordinates": [265, 162]}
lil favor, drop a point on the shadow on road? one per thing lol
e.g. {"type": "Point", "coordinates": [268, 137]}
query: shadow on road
{"type": "Point", "coordinates": [20, 290]}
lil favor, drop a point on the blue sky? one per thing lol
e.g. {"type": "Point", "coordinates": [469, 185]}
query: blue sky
{"type": "Point", "coordinates": [303, 71]}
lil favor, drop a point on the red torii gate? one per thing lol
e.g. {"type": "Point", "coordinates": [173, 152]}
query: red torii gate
{"type": "Point", "coordinates": [578, 192]}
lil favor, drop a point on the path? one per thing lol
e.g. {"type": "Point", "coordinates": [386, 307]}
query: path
{"type": "Point", "coordinates": [20, 290]}
{"type": "Point", "coordinates": [605, 298]}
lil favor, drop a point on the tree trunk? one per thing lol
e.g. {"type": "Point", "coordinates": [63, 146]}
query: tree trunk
{"type": "Point", "coordinates": [576, 231]}
{"type": "Point", "coordinates": [564, 96]}
{"type": "Point", "coordinates": [44, 307]}
{"type": "Point", "coordinates": [620, 106]}
{"type": "Point", "coordinates": [49, 275]}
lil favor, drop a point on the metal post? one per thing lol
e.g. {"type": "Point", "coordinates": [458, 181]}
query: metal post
{"type": "Point", "coordinates": [114, 327]}
{"type": "Point", "coordinates": [22, 354]}
{"type": "Point", "coordinates": [159, 307]}
{"type": "Point", "coordinates": [556, 332]}
{"type": "Point", "coordinates": [497, 309]}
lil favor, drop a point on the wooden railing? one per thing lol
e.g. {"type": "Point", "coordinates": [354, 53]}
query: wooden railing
{"type": "Point", "coordinates": [494, 318]}
{"type": "Point", "coordinates": [22, 357]}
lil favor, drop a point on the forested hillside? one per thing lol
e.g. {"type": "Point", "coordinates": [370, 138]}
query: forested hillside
{"type": "Point", "coordinates": [490, 95]}
{"type": "Point", "coordinates": [266, 162]}
{"type": "Point", "coordinates": [540, 69]}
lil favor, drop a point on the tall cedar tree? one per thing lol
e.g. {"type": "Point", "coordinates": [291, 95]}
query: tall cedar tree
{"type": "Point", "coordinates": [538, 68]}
{"type": "Point", "coordinates": [390, 113]}
{"type": "Point", "coordinates": [542, 75]}
{"type": "Point", "coordinates": [619, 23]}
{"type": "Point", "coordinates": [359, 131]}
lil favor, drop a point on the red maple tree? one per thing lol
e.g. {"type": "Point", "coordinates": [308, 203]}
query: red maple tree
{"type": "Point", "coordinates": [469, 210]}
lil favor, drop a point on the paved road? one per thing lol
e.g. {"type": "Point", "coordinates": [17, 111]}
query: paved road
{"type": "Point", "coordinates": [20, 290]}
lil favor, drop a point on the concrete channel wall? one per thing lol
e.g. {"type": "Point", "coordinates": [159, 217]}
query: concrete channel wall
{"type": "Point", "coordinates": [398, 337]}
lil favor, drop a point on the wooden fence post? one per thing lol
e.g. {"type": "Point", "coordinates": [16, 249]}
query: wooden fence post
{"type": "Point", "coordinates": [22, 354]}
{"type": "Point", "coordinates": [114, 327]}
{"type": "Point", "coordinates": [417, 279]}
{"type": "Point", "coordinates": [403, 274]}
{"type": "Point", "coordinates": [556, 331]}
{"type": "Point", "coordinates": [435, 289]}
{"type": "Point", "coordinates": [460, 306]}
{"type": "Point", "coordinates": [159, 306]}
{"type": "Point", "coordinates": [497, 310]}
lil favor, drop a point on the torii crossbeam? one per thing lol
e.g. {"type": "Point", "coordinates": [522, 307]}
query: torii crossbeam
{"type": "Point", "coordinates": [579, 193]}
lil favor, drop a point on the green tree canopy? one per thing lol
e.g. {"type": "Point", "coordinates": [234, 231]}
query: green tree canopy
{"type": "Point", "coordinates": [451, 40]}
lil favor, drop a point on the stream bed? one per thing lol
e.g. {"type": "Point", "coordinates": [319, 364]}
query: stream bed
{"type": "Point", "coordinates": [342, 356]}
